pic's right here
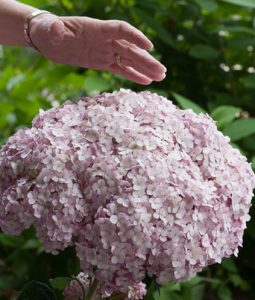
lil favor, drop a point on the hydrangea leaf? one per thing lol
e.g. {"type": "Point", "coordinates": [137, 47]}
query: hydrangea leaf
{"type": "Point", "coordinates": [225, 114]}
{"type": "Point", "coordinates": [186, 103]}
{"type": "Point", "coordinates": [229, 265]}
{"type": "Point", "coordinates": [253, 163]}
{"type": "Point", "coordinates": [240, 129]}
{"type": "Point", "coordinates": [246, 3]}
{"type": "Point", "coordinates": [224, 293]}
{"type": "Point", "coordinates": [60, 282]}
{"type": "Point", "coordinates": [204, 52]}
{"type": "Point", "coordinates": [207, 5]}
{"type": "Point", "coordinates": [198, 292]}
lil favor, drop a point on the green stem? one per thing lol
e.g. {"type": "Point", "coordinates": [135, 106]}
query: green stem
{"type": "Point", "coordinates": [92, 290]}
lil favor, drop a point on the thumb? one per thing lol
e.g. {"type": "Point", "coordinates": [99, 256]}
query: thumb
{"type": "Point", "coordinates": [56, 31]}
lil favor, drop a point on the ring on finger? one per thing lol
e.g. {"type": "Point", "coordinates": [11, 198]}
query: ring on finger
{"type": "Point", "coordinates": [117, 59]}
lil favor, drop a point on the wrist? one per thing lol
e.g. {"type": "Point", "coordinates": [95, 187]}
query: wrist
{"type": "Point", "coordinates": [30, 21]}
{"type": "Point", "coordinates": [46, 32]}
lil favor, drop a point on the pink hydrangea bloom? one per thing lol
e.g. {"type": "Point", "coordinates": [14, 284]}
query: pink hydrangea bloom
{"type": "Point", "coordinates": [76, 289]}
{"type": "Point", "coordinates": [137, 185]}
{"type": "Point", "coordinates": [137, 291]}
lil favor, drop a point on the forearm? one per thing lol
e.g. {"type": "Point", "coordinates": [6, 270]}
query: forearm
{"type": "Point", "coordinates": [12, 19]}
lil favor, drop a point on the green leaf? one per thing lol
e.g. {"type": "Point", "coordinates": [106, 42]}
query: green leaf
{"type": "Point", "coordinates": [96, 84]}
{"type": "Point", "coordinates": [32, 244]}
{"type": "Point", "coordinates": [167, 292]}
{"type": "Point", "coordinates": [225, 114]}
{"type": "Point", "coordinates": [204, 52]}
{"type": "Point", "coordinates": [60, 282]}
{"type": "Point", "coordinates": [14, 81]}
{"type": "Point", "coordinates": [6, 282]}
{"type": "Point", "coordinates": [233, 28]}
{"type": "Point", "coordinates": [150, 292]}
{"type": "Point", "coordinates": [186, 103]}
{"type": "Point", "coordinates": [228, 264]}
{"type": "Point", "coordinates": [253, 163]}
{"type": "Point", "coordinates": [241, 41]}
{"type": "Point", "coordinates": [158, 91]}
{"type": "Point", "coordinates": [193, 281]}
{"type": "Point", "coordinates": [246, 3]}
{"type": "Point", "coordinates": [240, 129]}
{"type": "Point", "coordinates": [236, 279]}
{"type": "Point", "coordinates": [248, 143]}
{"type": "Point", "coordinates": [198, 292]}
{"type": "Point", "coordinates": [35, 290]}
{"type": "Point", "coordinates": [224, 293]}
{"type": "Point", "coordinates": [67, 4]}
{"type": "Point", "coordinates": [211, 280]}
{"type": "Point", "coordinates": [10, 241]}
{"type": "Point", "coordinates": [208, 5]}
{"type": "Point", "coordinates": [161, 32]}
{"type": "Point", "coordinates": [248, 81]}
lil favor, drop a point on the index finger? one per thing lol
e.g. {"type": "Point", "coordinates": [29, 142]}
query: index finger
{"type": "Point", "coordinates": [118, 30]}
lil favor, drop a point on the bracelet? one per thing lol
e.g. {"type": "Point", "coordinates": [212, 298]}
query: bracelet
{"type": "Point", "coordinates": [27, 26]}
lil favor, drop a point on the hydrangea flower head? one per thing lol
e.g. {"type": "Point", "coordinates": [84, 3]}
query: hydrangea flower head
{"type": "Point", "coordinates": [138, 186]}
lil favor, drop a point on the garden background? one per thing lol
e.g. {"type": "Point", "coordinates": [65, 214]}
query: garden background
{"type": "Point", "coordinates": [208, 47]}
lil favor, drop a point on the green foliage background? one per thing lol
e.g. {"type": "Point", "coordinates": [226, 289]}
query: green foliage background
{"type": "Point", "coordinates": [208, 47]}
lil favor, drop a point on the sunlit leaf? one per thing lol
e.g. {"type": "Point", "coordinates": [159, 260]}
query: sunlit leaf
{"type": "Point", "coordinates": [224, 114]}
{"type": "Point", "coordinates": [234, 29]}
{"type": "Point", "coordinates": [14, 80]}
{"type": "Point", "coordinates": [240, 129]}
{"type": "Point", "coordinates": [245, 3]}
{"type": "Point", "coordinates": [95, 84]}
{"type": "Point", "coordinates": [208, 5]}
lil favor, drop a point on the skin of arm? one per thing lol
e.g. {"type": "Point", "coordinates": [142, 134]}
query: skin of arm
{"type": "Point", "coordinates": [83, 42]}
{"type": "Point", "coordinates": [12, 19]}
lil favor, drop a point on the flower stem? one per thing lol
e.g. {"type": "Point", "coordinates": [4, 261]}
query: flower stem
{"type": "Point", "coordinates": [92, 290]}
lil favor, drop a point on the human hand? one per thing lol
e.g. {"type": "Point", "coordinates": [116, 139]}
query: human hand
{"type": "Point", "coordinates": [91, 43]}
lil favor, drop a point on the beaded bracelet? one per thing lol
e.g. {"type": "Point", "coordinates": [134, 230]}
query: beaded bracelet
{"type": "Point", "coordinates": [27, 26]}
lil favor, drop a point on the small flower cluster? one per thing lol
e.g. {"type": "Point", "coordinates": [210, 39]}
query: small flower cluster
{"type": "Point", "coordinates": [137, 291]}
{"type": "Point", "coordinates": [138, 186]}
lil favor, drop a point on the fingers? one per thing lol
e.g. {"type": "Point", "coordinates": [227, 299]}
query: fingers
{"type": "Point", "coordinates": [139, 59]}
{"type": "Point", "coordinates": [130, 74]}
{"type": "Point", "coordinates": [122, 30]}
